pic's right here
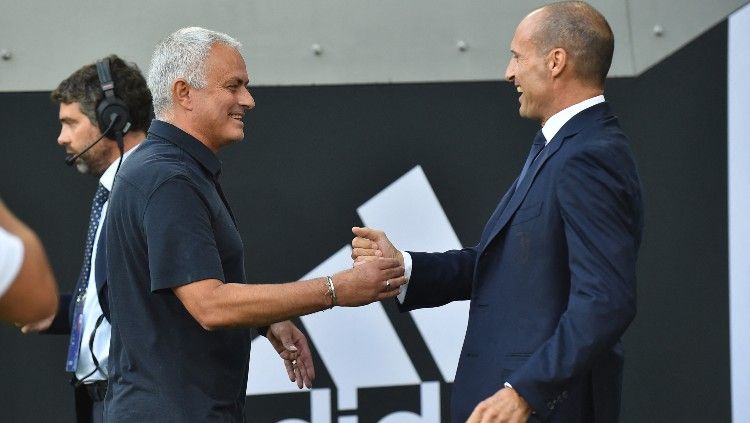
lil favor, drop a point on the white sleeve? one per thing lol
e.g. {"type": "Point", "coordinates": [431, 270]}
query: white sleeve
{"type": "Point", "coordinates": [11, 259]}
{"type": "Point", "coordinates": [407, 274]}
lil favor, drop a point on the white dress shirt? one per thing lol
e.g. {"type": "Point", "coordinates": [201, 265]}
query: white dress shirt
{"type": "Point", "coordinates": [91, 307]}
{"type": "Point", "coordinates": [550, 129]}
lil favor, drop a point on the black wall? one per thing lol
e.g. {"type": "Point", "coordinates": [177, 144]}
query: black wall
{"type": "Point", "coordinates": [313, 154]}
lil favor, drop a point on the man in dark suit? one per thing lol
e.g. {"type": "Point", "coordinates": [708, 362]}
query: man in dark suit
{"type": "Point", "coordinates": [552, 280]}
{"type": "Point", "coordinates": [84, 313]}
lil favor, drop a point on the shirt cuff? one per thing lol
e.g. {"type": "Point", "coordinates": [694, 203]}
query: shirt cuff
{"type": "Point", "coordinates": [407, 274]}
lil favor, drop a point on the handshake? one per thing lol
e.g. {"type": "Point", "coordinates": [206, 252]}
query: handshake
{"type": "Point", "coordinates": [377, 274]}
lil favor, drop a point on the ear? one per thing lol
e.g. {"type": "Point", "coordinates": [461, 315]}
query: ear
{"type": "Point", "coordinates": [557, 60]}
{"type": "Point", "coordinates": [182, 95]}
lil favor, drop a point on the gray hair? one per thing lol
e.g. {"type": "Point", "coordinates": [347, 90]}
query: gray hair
{"type": "Point", "coordinates": [182, 55]}
{"type": "Point", "coordinates": [583, 32]}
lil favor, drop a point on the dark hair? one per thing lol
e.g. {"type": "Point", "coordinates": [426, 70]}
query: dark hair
{"type": "Point", "coordinates": [83, 87]}
{"type": "Point", "coordinates": [584, 34]}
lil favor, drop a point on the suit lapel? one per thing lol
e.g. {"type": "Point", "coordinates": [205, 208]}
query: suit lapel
{"type": "Point", "coordinates": [517, 198]}
{"type": "Point", "coordinates": [503, 213]}
{"type": "Point", "coordinates": [500, 207]}
{"type": "Point", "coordinates": [100, 275]}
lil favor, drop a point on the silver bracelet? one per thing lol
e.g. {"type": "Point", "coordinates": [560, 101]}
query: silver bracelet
{"type": "Point", "coordinates": [332, 291]}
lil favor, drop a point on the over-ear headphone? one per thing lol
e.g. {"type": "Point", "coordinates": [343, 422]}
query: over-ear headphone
{"type": "Point", "coordinates": [111, 113]}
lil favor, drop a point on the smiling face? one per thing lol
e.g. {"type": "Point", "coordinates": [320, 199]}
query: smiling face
{"type": "Point", "coordinates": [218, 108]}
{"type": "Point", "coordinates": [529, 72]}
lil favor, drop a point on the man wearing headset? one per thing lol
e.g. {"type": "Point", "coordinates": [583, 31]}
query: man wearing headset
{"type": "Point", "coordinates": [95, 105]}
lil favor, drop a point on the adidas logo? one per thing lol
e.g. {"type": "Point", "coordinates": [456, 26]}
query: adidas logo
{"type": "Point", "coordinates": [361, 348]}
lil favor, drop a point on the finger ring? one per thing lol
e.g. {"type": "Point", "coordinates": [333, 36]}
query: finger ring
{"type": "Point", "coordinates": [294, 363]}
{"type": "Point", "coordinates": [387, 284]}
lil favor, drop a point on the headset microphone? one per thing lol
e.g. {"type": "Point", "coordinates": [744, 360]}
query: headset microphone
{"type": "Point", "coordinates": [71, 159]}
{"type": "Point", "coordinates": [110, 109]}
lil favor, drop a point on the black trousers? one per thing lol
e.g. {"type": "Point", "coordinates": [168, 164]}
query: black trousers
{"type": "Point", "coordinates": [88, 410]}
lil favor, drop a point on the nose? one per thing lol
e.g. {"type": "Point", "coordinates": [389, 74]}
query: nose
{"type": "Point", "coordinates": [61, 138]}
{"type": "Point", "coordinates": [246, 99]}
{"type": "Point", "coordinates": [510, 72]}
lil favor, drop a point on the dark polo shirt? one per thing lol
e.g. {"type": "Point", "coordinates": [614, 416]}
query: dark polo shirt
{"type": "Point", "coordinates": [167, 226]}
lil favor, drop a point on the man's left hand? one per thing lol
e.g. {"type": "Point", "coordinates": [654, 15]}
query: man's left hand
{"type": "Point", "coordinates": [505, 406]}
{"type": "Point", "coordinates": [292, 347]}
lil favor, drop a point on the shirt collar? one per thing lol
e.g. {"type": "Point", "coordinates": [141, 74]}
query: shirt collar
{"type": "Point", "coordinates": [108, 177]}
{"type": "Point", "coordinates": [553, 124]}
{"type": "Point", "coordinates": [188, 143]}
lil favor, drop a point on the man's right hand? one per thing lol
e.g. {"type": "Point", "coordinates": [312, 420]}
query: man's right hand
{"type": "Point", "coordinates": [38, 326]}
{"type": "Point", "coordinates": [375, 280]}
{"type": "Point", "coordinates": [370, 244]}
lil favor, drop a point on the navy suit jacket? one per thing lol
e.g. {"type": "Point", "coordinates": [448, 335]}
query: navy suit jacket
{"type": "Point", "coordinates": [552, 282]}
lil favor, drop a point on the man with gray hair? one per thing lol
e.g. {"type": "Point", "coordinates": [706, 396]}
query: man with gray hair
{"type": "Point", "coordinates": [181, 307]}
